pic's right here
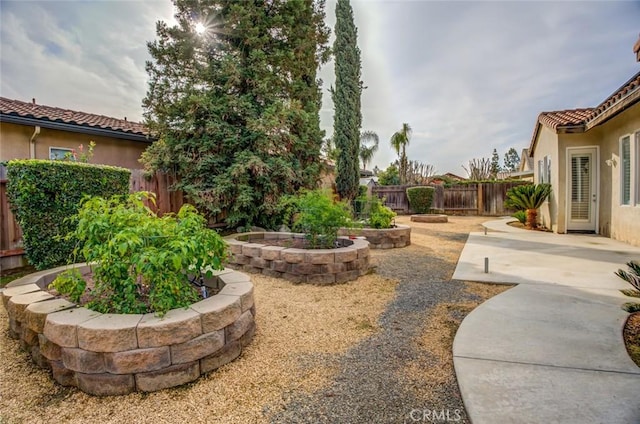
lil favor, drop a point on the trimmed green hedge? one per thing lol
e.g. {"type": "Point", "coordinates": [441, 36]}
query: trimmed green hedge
{"type": "Point", "coordinates": [43, 194]}
{"type": "Point", "coordinates": [420, 198]}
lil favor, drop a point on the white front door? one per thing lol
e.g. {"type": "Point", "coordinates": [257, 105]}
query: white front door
{"type": "Point", "coordinates": [582, 201]}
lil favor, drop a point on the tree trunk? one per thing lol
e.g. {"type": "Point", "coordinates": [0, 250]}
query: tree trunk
{"type": "Point", "coordinates": [532, 218]}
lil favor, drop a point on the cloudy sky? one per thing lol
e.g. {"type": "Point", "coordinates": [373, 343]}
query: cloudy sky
{"type": "Point", "coordinates": [468, 76]}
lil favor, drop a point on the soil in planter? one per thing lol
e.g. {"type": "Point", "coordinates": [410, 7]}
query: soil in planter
{"type": "Point", "coordinates": [632, 337]}
{"type": "Point", "coordinates": [298, 243]}
{"type": "Point", "coordinates": [88, 294]}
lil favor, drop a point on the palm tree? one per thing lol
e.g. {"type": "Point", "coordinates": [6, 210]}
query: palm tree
{"type": "Point", "coordinates": [528, 197]}
{"type": "Point", "coordinates": [367, 151]}
{"type": "Point", "coordinates": [399, 141]}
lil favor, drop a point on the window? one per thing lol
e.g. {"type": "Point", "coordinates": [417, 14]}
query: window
{"type": "Point", "coordinates": [57, 153]}
{"type": "Point", "coordinates": [630, 169]}
{"type": "Point", "coordinates": [625, 170]}
{"type": "Point", "coordinates": [637, 168]}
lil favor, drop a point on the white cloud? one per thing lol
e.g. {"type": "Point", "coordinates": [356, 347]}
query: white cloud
{"type": "Point", "coordinates": [468, 76]}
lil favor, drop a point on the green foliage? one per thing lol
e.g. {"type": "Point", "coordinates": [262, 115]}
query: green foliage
{"type": "Point", "coordinates": [237, 107]}
{"type": "Point", "coordinates": [526, 197]}
{"type": "Point", "coordinates": [631, 307]}
{"type": "Point", "coordinates": [369, 142]}
{"type": "Point", "coordinates": [520, 216]}
{"type": "Point", "coordinates": [632, 276]}
{"type": "Point", "coordinates": [320, 217]}
{"type": "Point", "coordinates": [389, 176]}
{"type": "Point", "coordinates": [71, 283]}
{"type": "Point", "coordinates": [380, 215]}
{"type": "Point", "coordinates": [141, 260]}
{"type": "Point", "coordinates": [511, 160]}
{"type": "Point", "coordinates": [80, 154]}
{"type": "Point", "coordinates": [346, 99]}
{"type": "Point", "coordinates": [399, 141]}
{"type": "Point", "coordinates": [495, 165]}
{"type": "Point", "coordinates": [43, 194]}
{"type": "Point", "coordinates": [420, 198]}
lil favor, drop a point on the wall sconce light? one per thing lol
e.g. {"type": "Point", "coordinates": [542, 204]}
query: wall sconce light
{"type": "Point", "coordinates": [611, 162]}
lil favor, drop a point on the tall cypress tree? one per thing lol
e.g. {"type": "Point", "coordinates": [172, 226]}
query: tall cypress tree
{"type": "Point", "coordinates": [235, 101]}
{"type": "Point", "coordinates": [346, 99]}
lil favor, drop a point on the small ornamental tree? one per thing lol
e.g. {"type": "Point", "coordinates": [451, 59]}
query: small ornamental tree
{"type": "Point", "coordinates": [43, 194]}
{"type": "Point", "coordinates": [320, 217]}
{"type": "Point", "coordinates": [528, 198]}
{"type": "Point", "coordinates": [420, 198]}
{"type": "Point", "coordinates": [141, 261]}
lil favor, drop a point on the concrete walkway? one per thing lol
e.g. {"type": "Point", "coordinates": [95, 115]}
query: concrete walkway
{"type": "Point", "coordinates": [549, 350]}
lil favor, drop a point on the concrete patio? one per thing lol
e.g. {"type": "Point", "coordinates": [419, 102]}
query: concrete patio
{"type": "Point", "coordinates": [549, 350]}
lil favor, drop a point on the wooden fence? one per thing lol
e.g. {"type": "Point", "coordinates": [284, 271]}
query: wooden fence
{"type": "Point", "coordinates": [464, 199]}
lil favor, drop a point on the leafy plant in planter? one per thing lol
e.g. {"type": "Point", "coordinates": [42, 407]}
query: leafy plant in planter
{"type": "Point", "coordinates": [528, 198]}
{"type": "Point", "coordinates": [380, 216]}
{"type": "Point", "coordinates": [140, 260]}
{"type": "Point", "coordinates": [520, 216]}
{"type": "Point", "coordinates": [319, 217]}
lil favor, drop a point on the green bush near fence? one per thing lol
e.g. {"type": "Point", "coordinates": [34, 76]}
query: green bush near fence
{"type": "Point", "coordinates": [420, 198]}
{"type": "Point", "coordinates": [45, 195]}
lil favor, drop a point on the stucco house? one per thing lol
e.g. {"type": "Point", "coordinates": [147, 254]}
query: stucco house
{"type": "Point", "coordinates": [591, 157]}
{"type": "Point", "coordinates": [30, 130]}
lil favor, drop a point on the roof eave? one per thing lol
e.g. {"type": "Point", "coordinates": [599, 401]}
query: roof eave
{"type": "Point", "coordinates": [82, 129]}
{"type": "Point", "coordinates": [629, 100]}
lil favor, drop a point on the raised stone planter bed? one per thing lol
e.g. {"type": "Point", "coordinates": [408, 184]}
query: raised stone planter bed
{"type": "Point", "coordinates": [115, 354]}
{"type": "Point", "coordinates": [432, 218]}
{"type": "Point", "coordinates": [254, 252]}
{"type": "Point", "coordinates": [382, 238]}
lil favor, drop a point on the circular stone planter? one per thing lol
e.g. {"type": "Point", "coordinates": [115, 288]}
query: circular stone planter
{"type": "Point", "coordinates": [432, 218]}
{"type": "Point", "coordinates": [116, 354]}
{"type": "Point", "coordinates": [382, 238]}
{"type": "Point", "coordinates": [252, 252]}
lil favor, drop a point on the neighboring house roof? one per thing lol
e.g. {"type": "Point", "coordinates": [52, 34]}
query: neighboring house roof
{"type": "Point", "coordinates": [526, 161]}
{"type": "Point", "coordinates": [581, 120]}
{"type": "Point", "coordinates": [18, 112]}
{"type": "Point", "coordinates": [454, 176]}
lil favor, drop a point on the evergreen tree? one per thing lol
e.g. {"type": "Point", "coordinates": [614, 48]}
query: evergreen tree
{"type": "Point", "coordinates": [346, 99]}
{"type": "Point", "coordinates": [234, 98]}
{"type": "Point", "coordinates": [511, 160]}
{"type": "Point", "coordinates": [495, 164]}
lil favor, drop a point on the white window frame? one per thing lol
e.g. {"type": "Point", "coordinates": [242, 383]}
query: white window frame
{"type": "Point", "coordinates": [61, 149]}
{"type": "Point", "coordinates": [635, 169]}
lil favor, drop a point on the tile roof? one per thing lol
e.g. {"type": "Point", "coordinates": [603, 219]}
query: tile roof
{"type": "Point", "coordinates": [66, 116]}
{"type": "Point", "coordinates": [614, 103]}
{"type": "Point", "coordinates": [584, 119]}
{"type": "Point", "coordinates": [561, 118]}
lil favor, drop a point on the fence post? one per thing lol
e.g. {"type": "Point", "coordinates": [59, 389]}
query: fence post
{"type": "Point", "coordinates": [480, 199]}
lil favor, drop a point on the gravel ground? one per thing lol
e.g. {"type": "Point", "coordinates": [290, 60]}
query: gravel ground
{"type": "Point", "coordinates": [377, 350]}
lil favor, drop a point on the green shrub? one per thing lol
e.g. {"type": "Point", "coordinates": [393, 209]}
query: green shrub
{"type": "Point", "coordinates": [632, 276]}
{"type": "Point", "coordinates": [141, 260]}
{"type": "Point", "coordinates": [420, 198]}
{"type": "Point", "coordinates": [520, 216]}
{"type": "Point", "coordinates": [380, 216]}
{"type": "Point", "coordinates": [320, 217]}
{"type": "Point", "coordinates": [43, 194]}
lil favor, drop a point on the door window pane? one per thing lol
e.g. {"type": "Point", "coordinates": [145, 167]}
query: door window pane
{"type": "Point", "coordinates": [625, 170]}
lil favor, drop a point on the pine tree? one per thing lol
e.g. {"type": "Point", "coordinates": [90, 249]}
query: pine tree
{"type": "Point", "coordinates": [346, 99]}
{"type": "Point", "coordinates": [495, 164]}
{"type": "Point", "coordinates": [236, 106]}
{"type": "Point", "coordinates": [511, 160]}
